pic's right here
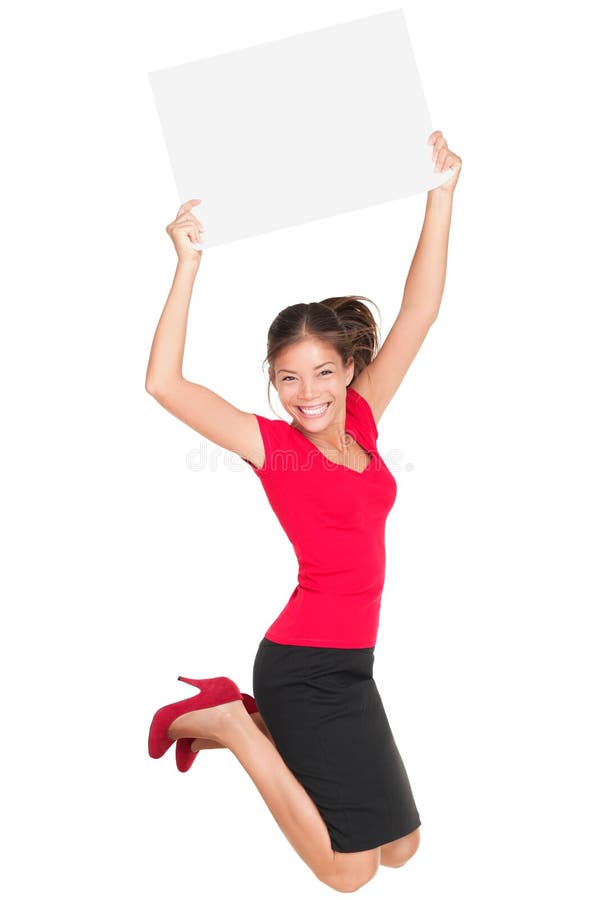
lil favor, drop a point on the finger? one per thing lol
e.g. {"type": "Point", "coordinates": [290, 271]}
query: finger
{"type": "Point", "coordinates": [193, 226]}
{"type": "Point", "coordinates": [441, 159]}
{"type": "Point", "coordinates": [449, 163]}
{"type": "Point", "coordinates": [433, 136]}
{"type": "Point", "coordinates": [185, 218]}
{"type": "Point", "coordinates": [440, 144]}
{"type": "Point", "coordinates": [189, 217]}
{"type": "Point", "coordinates": [192, 229]}
{"type": "Point", "coordinates": [188, 205]}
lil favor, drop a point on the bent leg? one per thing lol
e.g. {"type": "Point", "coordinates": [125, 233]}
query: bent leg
{"type": "Point", "coordinates": [292, 808]}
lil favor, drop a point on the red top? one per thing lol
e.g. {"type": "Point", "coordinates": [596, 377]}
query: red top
{"type": "Point", "coordinates": [335, 519]}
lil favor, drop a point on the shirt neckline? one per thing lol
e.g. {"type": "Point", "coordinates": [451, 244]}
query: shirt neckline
{"type": "Point", "coordinates": [350, 431]}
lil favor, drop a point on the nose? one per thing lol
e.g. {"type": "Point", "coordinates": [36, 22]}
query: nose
{"type": "Point", "coordinates": [308, 395]}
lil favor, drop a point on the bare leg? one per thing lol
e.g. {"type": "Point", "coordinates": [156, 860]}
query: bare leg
{"type": "Point", "coordinates": [206, 744]}
{"type": "Point", "coordinates": [397, 852]}
{"type": "Point", "coordinates": [293, 809]}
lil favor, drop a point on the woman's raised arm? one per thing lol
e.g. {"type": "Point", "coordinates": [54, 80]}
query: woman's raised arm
{"type": "Point", "coordinates": [166, 354]}
{"type": "Point", "coordinates": [380, 380]}
{"type": "Point", "coordinates": [196, 405]}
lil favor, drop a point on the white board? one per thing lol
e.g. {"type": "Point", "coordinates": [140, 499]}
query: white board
{"type": "Point", "coordinates": [283, 133]}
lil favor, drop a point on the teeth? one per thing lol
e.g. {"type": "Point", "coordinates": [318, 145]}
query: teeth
{"type": "Point", "coordinates": [313, 410]}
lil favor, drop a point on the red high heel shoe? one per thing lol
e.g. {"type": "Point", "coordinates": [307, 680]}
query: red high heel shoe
{"type": "Point", "coordinates": [213, 691]}
{"type": "Point", "coordinates": [185, 756]}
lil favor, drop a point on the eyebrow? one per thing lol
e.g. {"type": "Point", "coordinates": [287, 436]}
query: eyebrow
{"type": "Point", "coordinates": [328, 362]}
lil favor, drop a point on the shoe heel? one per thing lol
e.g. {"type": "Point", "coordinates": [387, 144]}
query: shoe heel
{"type": "Point", "coordinates": [195, 682]}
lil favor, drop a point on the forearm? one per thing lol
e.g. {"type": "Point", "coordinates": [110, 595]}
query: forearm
{"type": "Point", "coordinates": [427, 274]}
{"type": "Point", "coordinates": [166, 354]}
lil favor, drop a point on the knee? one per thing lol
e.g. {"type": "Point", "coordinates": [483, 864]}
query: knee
{"type": "Point", "coordinates": [347, 884]}
{"type": "Point", "coordinates": [400, 851]}
{"type": "Point", "coordinates": [347, 887]}
{"type": "Point", "coordinates": [350, 881]}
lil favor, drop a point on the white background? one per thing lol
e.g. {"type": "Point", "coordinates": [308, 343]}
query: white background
{"type": "Point", "coordinates": [136, 551]}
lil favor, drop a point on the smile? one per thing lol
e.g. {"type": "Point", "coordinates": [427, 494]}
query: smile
{"type": "Point", "coordinates": [313, 412]}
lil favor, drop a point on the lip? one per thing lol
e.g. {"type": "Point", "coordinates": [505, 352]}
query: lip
{"type": "Point", "coordinates": [315, 406]}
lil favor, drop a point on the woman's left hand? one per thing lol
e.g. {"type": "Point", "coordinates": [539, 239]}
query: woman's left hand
{"type": "Point", "coordinates": [444, 159]}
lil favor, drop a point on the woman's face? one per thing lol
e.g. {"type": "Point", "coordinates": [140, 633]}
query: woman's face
{"type": "Point", "coordinates": [311, 382]}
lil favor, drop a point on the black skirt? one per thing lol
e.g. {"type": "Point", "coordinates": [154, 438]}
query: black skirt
{"type": "Point", "coordinates": [323, 709]}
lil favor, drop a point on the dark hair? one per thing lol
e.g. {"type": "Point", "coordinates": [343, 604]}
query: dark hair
{"type": "Point", "coordinates": [344, 322]}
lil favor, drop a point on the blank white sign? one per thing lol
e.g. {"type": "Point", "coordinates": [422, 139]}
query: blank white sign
{"type": "Point", "coordinates": [298, 129]}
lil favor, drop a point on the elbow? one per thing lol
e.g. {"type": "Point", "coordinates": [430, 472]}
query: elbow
{"type": "Point", "coordinates": [160, 388]}
{"type": "Point", "coordinates": [152, 388]}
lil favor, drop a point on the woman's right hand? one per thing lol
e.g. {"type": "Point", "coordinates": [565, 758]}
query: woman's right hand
{"type": "Point", "coordinates": [186, 230]}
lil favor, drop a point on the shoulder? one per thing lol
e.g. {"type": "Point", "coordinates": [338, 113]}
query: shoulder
{"type": "Point", "coordinates": [360, 407]}
{"type": "Point", "coordinates": [276, 436]}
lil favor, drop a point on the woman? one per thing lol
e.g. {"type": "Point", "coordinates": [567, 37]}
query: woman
{"type": "Point", "coordinates": [315, 738]}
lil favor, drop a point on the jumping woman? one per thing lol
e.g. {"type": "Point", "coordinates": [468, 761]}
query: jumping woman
{"type": "Point", "coordinates": [314, 738]}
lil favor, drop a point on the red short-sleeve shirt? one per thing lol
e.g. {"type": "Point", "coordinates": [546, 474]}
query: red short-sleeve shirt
{"type": "Point", "coordinates": [335, 519]}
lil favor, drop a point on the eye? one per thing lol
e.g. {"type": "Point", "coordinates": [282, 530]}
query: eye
{"type": "Point", "coordinates": [322, 372]}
